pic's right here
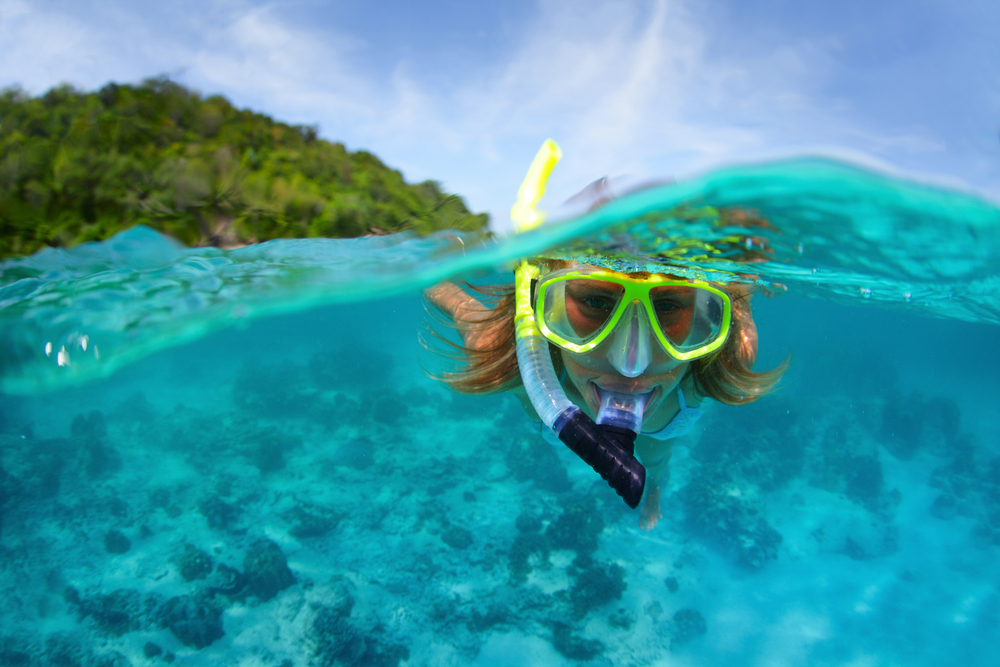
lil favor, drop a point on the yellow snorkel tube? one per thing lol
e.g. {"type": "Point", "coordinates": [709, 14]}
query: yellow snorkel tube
{"type": "Point", "coordinates": [608, 447]}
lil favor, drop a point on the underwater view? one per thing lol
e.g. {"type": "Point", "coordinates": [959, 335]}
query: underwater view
{"type": "Point", "coordinates": [240, 457]}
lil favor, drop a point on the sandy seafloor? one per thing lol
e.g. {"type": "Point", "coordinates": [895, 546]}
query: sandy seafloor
{"type": "Point", "coordinates": [312, 496]}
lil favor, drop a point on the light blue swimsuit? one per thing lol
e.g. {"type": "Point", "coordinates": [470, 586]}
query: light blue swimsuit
{"type": "Point", "coordinates": [681, 424]}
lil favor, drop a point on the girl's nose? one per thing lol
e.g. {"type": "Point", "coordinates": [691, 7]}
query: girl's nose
{"type": "Point", "coordinates": [630, 351]}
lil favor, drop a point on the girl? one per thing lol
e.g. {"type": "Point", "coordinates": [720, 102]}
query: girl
{"type": "Point", "coordinates": [658, 342]}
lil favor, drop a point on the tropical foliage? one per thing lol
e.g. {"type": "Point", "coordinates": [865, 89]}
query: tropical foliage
{"type": "Point", "coordinates": [78, 166]}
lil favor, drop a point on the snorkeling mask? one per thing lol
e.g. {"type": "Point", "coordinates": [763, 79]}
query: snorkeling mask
{"type": "Point", "coordinates": [579, 309]}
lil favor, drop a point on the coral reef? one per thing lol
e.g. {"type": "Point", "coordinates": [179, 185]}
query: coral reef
{"type": "Point", "coordinates": [218, 513]}
{"type": "Point", "coordinates": [767, 456]}
{"type": "Point", "coordinates": [357, 453]}
{"type": "Point", "coordinates": [726, 512]}
{"type": "Point", "coordinates": [349, 364]}
{"type": "Point", "coordinates": [687, 624]}
{"type": "Point", "coordinates": [528, 552]}
{"type": "Point", "coordinates": [578, 528]}
{"type": "Point", "coordinates": [310, 521]}
{"type": "Point", "coordinates": [596, 586]}
{"type": "Point", "coordinates": [339, 643]}
{"type": "Point", "coordinates": [266, 570]}
{"type": "Point", "coordinates": [193, 563]}
{"type": "Point", "coordinates": [532, 459]}
{"type": "Point", "coordinates": [572, 646]}
{"type": "Point", "coordinates": [911, 424]}
{"type": "Point", "coordinates": [272, 390]}
{"type": "Point", "coordinates": [194, 622]}
{"type": "Point", "coordinates": [115, 542]}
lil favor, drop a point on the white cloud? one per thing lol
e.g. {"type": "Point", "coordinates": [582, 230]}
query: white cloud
{"type": "Point", "coordinates": [282, 69]}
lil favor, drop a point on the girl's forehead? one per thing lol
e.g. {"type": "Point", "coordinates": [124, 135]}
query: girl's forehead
{"type": "Point", "coordinates": [640, 275]}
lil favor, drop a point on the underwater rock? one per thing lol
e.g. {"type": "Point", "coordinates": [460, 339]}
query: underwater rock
{"type": "Point", "coordinates": [16, 652]}
{"type": "Point", "coordinates": [308, 523]}
{"type": "Point", "coordinates": [864, 481]}
{"type": "Point", "coordinates": [115, 542]}
{"type": "Point", "coordinates": [532, 459]}
{"type": "Point", "coordinates": [151, 650]}
{"type": "Point", "coordinates": [69, 650]}
{"type": "Point", "coordinates": [34, 468]}
{"type": "Point", "coordinates": [91, 432]}
{"type": "Point", "coordinates": [159, 497]}
{"type": "Point", "coordinates": [266, 570]}
{"type": "Point", "coordinates": [911, 424]}
{"type": "Point", "coordinates": [962, 478]}
{"type": "Point", "coordinates": [136, 408]}
{"type": "Point", "coordinates": [529, 551]}
{"type": "Point", "coordinates": [456, 537]}
{"type": "Point", "coordinates": [121, 611]}
{"type": "Point", "coordinates": [847, 460]}
{"type": "Point", "coordinates": [266, 448]}
{"type": "Point", "coordinates": [578, 528]}
{"type": "Point", "coordinates": [340, 599]}
{"type": "Point", "coordinates": [101, 459]}
{"type": "Point", "coordinates": [868, 541]}
{"type": "Point", "coordinates": [193, 563]}
{"type": "Point", "coordinates": [336, 640]}
{"type": "Point", "coordinates": [527, 523]}
{"type": "Point", "coordinates": [268, 456]}
{"type": "Point", "coordinates": [672, 584]}
{"type": "Point", "coordinates": [218, 513]}
{"type": "Point", "coordinates": [719, 509]}
{"type": "Point", "coordinates": [338, 643]}
{"type": "Point", "coordinates": [90, 426]}
{"type": "Point", "coordinates": [348, 366]}
{"type": "Point", "coordinates": [945, 507]}
{"type": "Point", "coordinates": [357, 453]}
{"type": "Point", "coordinates": [227, 581]}
{"type": "Point", "coordinates": [495, 614]}
{"type": "Point", "coordinates": [272, 391]}
{"type": "Point", "coordinates": [10, 489]}
{"type": "Point", "coordinates": [768, 456]}
{"type": "Point", "coordinates": [596, 586]}
{"type": "Point", "coordinates": [688, 624]}
{"type": "Point", "coordinates": [387, 408]}
{"type": "Point", "coordinates": [192, 621]}
{"type": "Point", "coordinates": [573, 647]}
{"type": "Point", "coordinates": [621, 619]}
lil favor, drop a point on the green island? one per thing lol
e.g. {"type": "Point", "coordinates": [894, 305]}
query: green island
{"type": "Point", "coordinates": [80, 166]}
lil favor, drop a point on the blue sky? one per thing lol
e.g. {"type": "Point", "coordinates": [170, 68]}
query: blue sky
{"type": "Point", "coordinates": [465, 92]}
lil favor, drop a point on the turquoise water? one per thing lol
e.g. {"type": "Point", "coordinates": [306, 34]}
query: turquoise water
{"type": "Point", "coordinates": [236, 457]}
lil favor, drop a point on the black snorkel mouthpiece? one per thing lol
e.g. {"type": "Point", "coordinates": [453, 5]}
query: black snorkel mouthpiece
{"type": "Point", "coordinates": [609, 450]}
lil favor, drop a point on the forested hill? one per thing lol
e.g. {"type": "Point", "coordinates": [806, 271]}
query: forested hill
{"type": "Point", "coordinates": [78, 166]}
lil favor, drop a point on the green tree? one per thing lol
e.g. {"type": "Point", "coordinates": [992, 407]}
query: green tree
{"type": "Point", "coordinates": [77, 166]}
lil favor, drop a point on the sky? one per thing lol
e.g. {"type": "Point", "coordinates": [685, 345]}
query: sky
{"type": "Point", "coordinates": [465, 91]}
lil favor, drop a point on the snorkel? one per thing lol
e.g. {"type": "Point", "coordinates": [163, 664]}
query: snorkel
{"type": "Point", "coordinates": [607, 445]}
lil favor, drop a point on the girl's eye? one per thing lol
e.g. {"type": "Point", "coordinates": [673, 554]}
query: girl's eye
{"type": "Point", "coordinates": [598, 302]}
{"type": "Point", "coordinates": [666, 306]}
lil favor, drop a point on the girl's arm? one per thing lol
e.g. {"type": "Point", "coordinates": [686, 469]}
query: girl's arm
{"type": "Point", "coordinates": [463, 308]}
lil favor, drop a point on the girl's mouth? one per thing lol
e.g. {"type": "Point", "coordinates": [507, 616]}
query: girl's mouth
{"type": "Point", "coordinates": [650, 395]}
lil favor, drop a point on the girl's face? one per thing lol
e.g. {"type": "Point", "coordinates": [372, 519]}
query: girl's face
{"type": "Point", "coordinates": [592, 369]}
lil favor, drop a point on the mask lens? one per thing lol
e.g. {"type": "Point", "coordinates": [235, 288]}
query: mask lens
{"type": "Point", "coordinates": [689, 317]}
{"type": "Point", "coordinates": [579, 308]}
